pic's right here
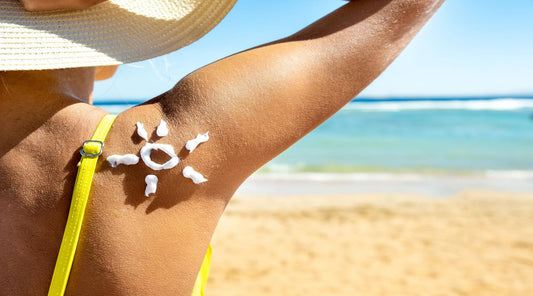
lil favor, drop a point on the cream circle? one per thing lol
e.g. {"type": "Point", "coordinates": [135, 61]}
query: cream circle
{"type": "Point", "coordinates": [146, 151]}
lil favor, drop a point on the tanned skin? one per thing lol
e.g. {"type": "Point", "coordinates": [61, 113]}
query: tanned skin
{"type": "Point", "coordinates": [46, 5]}
{"type": "Point", "coordinates": [254, 104]}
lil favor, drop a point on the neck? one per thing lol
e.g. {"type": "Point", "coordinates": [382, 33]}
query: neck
{"type": "Point", "coordinates": [42, 87]}
{"type": "Point", "coordinates": [30, 98]}
{"type": "Point", "coordinates": [34, 96]}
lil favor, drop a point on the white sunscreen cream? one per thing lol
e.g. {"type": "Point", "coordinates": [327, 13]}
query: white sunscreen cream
{"type": "Point", "coordinates": [146, 151]}
{"type": "Point", "coordinates": [162, 129]}
{"type": "Point", "coordinates": [192, 144]}
{"type": "Point", "coordinates": [196, 177]}
{"type": "Point", "coordinates": [141, 131]}
{"type": "Point", "coordinates": [128, 159]}
{"type": "Point", "coordinates": [151, 184]}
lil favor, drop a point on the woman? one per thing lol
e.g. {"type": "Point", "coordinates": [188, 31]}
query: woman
{"type": "Point", "coordinates": [254, 105]}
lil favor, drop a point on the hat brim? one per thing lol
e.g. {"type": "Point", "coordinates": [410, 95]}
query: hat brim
{"type": "Point", "coordinates": [111, 33]}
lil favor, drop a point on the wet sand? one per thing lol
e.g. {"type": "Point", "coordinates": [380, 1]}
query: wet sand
{"type": "Point", "coordinates": [473, 242]}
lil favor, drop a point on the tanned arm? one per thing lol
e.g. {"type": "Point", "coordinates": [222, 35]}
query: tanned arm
{"type": "Point", "coordinates": [259, 102]}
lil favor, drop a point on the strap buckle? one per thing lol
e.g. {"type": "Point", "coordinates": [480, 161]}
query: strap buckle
{"type": "Point", "coordinates": [92, 148]}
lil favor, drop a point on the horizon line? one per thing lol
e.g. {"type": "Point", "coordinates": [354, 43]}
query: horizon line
{"type": "Point", "coordinates": [114, 101]}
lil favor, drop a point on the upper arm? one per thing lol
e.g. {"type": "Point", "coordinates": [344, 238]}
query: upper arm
{"type": "Point", "coordinates": [257, 103]}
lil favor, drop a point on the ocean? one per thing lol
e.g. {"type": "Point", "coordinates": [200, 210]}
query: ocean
{"type": "Point", "coordinates": [435, 136]}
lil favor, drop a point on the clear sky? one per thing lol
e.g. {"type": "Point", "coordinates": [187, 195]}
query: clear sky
{"type": "Point", "coordinates": [470, 47]}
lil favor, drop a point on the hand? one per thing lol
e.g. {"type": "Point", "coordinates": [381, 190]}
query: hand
{"type": "Point", "coordinates": [44, 5]}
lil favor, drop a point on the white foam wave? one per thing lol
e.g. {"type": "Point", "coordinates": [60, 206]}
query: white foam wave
{"type": "Point", "coordinates": [516, 175]}
{"type": "Point", "coordinates": [503, 104]}
{"type": "Point", "coordinates": [338, 177]}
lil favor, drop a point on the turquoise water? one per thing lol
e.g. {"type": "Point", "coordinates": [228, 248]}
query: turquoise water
{"type": "Point", "coordinates": [429, 136]}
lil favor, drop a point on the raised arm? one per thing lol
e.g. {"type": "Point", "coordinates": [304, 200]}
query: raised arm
{"type": "Point", "coordinates": [259, 102]}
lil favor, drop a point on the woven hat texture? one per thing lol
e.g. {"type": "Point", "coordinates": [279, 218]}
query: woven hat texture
{"type": "Point", "coordinates": [111, 33]}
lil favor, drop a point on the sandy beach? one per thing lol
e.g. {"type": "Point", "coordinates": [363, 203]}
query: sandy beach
{"type": "Point", "coordinates": [470, 242]}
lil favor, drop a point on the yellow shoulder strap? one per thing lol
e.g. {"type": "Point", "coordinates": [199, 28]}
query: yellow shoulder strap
{"type": "Point", "coordinates": [201, 279]}
{"type": "Point", "coordinates": [90, 152]}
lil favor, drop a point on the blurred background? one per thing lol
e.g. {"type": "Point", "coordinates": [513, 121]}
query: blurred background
{"type": "Point", "coordinates": [422, 185]}
{"type": "Point", "coordinates": [459, 99]}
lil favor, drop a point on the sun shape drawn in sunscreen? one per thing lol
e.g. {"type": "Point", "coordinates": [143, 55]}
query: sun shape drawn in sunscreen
{"type": "Point", "coordinates": [146, 152]}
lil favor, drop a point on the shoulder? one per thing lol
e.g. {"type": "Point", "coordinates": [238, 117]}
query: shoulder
{"type": "Point", "coordinates": [162, 156]}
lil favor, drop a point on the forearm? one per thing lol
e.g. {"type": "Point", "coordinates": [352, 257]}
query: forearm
{"type": "Point", "coordinates": [357, 42]}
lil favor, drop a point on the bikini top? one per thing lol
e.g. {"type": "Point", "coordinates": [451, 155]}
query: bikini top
{"type": "Point", "coordinates": [89, 156]}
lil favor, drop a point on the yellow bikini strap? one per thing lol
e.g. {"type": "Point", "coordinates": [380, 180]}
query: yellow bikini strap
{"type": "Point", "coordinates": [90, 152]}
{"type": "Point", "coordinates": [201, 278]}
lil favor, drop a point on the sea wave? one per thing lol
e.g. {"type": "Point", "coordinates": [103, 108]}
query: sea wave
{"type": "Point", "coordinates": [499, 104]}
{"type": "Point", "coordinates": [407, 177]}
{"type": "Point", "coordinates": [389, 105]}
{"type": "Point", "coordinates": [516, 174]}
{"type": "Point", "coordinates": [338, 177]}
{"type": "Point", "coordinates": [303, 184]}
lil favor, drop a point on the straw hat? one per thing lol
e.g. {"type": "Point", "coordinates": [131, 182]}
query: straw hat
{"type": "Point", "coordinates": [111, 33]}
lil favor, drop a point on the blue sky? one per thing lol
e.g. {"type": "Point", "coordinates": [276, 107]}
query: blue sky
{"type": "Point", "coordinates": [470, 47]}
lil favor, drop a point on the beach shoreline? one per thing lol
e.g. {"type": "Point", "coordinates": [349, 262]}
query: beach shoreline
{"type": "Point", "coordinates": [435, 185]}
